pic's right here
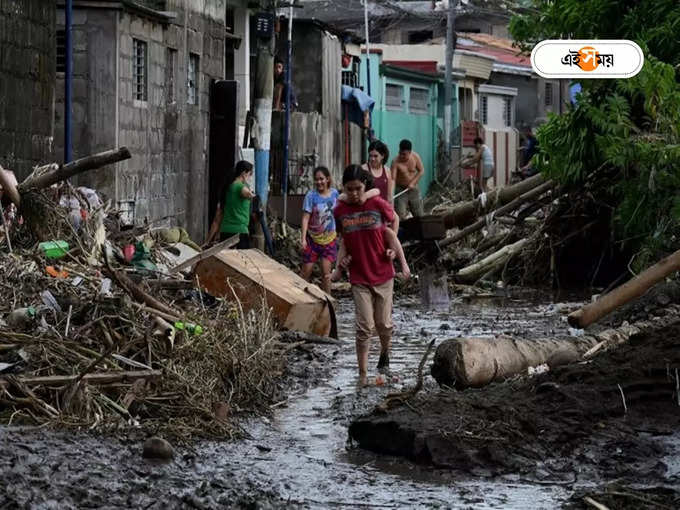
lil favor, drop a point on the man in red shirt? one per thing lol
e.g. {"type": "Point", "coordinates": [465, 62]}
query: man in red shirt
{"type": "Point", "coordinates": [362, 225]}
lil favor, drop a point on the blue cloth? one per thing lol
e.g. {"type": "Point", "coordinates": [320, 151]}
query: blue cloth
{"type": "Point", "coordinates": [573, 90]}
{"type": "Point", "coordinates": [321, 222]}
{"type": "Point", "coordinates": [358, 102]}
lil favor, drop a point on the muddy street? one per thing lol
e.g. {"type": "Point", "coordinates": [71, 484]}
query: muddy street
{"type": "Point", "coordinates": [301, 457]}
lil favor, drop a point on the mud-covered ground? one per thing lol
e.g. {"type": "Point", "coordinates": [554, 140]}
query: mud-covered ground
{"type": "Point", "coordinates": [611, 423]}
{"type": "Point", "coordinates": [512, 448]}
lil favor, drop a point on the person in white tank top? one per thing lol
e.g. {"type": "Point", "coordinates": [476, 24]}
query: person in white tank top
{"type": "Point", "coordinates": [484, 157]}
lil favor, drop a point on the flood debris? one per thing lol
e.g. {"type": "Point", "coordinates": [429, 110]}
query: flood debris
{"type": "Point", "coordinates": [111, 337]}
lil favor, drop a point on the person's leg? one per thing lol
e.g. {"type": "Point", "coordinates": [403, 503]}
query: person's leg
{"type": "Point", "coordinates": [382, 315]}
{"type": "Point", "coordinates": [306, 271]}
{"type": "Point", "coordinates": [415, 202]}
{"type": "Point", "coordinates": [243, 242]}
{"type": "Point", "coordinates": [401, 205]}
{"type": "Point", "coordinates": [394, 244]}
{"type": "Point", "coordinates": [309, 258]}
{"type": "Point", "coordinates": [326, 266]}
{"type": "Point", "coordinates": [363, 310]}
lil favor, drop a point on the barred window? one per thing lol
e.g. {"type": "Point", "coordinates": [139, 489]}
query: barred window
{"type": "Point", "coordinates": [139, 69]}
{"type": "Point", "coordinates": [170, 74]}
{"type": "Point", "coordinates": [61, 51]}
{"type": "Point", "coordinates": [418, 101]}
{"type": "Point", "coordinates": [548, 94]}
{"type": "Point", "coordinates": [394, 96]}
{"type": "Point", "coordinates": [507, 111]}
{"type": "Point", "coordinates": [192, 79]}
{"type": "Point", "coordinates": [484, 109]}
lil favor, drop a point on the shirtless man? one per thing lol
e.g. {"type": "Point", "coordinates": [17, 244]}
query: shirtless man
{"type": "Point", "coordinates": [407, 169]}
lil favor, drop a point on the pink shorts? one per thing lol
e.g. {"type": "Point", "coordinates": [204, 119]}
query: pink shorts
{"type": "Point", "coordinates": [315, 251]}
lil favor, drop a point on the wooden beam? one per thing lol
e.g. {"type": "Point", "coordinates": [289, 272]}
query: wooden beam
{"type": "Point", "coordinates": [224, 245]}
{"type": "Point", "coordinates": [98, 378]}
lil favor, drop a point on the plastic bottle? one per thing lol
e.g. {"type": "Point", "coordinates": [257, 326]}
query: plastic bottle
{"type": "Point", "coordinates": [192, 329]}
{"type": "Point", "coordinates": [21, 318]}
{"type": "Point", "coordinates": [54, 249]}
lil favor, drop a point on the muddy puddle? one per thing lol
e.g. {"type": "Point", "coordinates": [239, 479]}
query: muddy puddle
{"type": "Point", "coordinates": [300, 457]}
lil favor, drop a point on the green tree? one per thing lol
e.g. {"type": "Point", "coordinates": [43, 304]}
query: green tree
{"type": "Point", "coordinates": [623, 135]}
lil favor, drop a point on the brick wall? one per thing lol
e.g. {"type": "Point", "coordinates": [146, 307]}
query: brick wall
{"type": "Point", "coordinates": [27, 70]}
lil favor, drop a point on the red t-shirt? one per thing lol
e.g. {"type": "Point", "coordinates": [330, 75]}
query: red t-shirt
{"type": "Point", "coordinates": [363, 233]}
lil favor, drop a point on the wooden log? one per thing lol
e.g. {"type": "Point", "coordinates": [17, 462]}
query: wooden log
{"type": "Point", "coordinates": [514, 204]}
{"type": "Point", "coordinates": [76, 167]}
{"type": "Point", "coordinates": [625, 293]}
{"type": "Point", "coordinates": [476, 362]}
{"type": "Point", "coordinates": [98, 378]}
{"type": "Point", "coordinates": [9, 186]}
{"type": "Point", "coordinates": [466, 213]}
{"type": "Point", "coordinates": [497, 259]}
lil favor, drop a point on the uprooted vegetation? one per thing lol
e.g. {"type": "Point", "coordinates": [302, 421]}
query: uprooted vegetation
{"type": "Point", "coordinates": [90, 341]}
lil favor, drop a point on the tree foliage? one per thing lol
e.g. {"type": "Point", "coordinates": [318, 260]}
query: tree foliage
{"type": "Point", "coordinates": [625, 133]}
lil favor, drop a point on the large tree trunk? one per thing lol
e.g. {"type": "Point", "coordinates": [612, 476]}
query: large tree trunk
{"type": "Point", "coordinates": [629, 291]}
{"type": "Point", "coordinates": [476, 362]}
{"type": "Point", "coordinates": [466, 213]}
{"type": "Point", "coordinates": [496, 260]}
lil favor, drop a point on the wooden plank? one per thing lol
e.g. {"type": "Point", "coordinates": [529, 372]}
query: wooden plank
{"type": "Point", "coordinates": [224, 245]}
{"type": "Point", "coordinates": [98, 378]}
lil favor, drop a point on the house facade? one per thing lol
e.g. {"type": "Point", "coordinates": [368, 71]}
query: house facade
{"type": "Point", "coordinates": [142, 77]}
{"type": "Point", "coordinates": [27, 72]}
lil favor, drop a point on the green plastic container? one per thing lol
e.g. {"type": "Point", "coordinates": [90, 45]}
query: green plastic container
{"type": "Point", "coordinates": [192, 329]}
{"type": "Point", "coordinates": [54, 249]}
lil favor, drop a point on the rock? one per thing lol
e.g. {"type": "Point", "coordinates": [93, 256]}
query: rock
{"type": "Point", "coordinates": [158, 448]}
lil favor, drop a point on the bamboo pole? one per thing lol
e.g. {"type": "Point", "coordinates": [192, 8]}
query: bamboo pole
{"type": "Point", "coordinates": [625, 293]}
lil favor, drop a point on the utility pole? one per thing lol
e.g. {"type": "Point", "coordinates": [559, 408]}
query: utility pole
{"type": "Point", "coordinates": [286, 134]}
{"type": "Point", "coordinates": [450, 30]}
{"type": "Point", "coordinates": [68, 80]}
{"type": "Point", "coordinates": [262, 103]}
{"type": "Point", "coordinates": [263, 98]}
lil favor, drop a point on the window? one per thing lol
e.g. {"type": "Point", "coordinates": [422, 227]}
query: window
{"type": "Point", "coordinates": [484, 109]}
{"type": "Point", "coordinates": [548, 94]}
{"type": "Point", "coordinates": [170, 75]}
{"type": "Point", "coordinates": [139, 70]}
{"type": "Point", "coordinates": [420, 36]}
{"type": "Point", "coordinates": [61, 51]}
{"type": "Point", "coordinates": [418, 100]}
{"type": "Point", "coordinates": [192, 79]}
{"type": "Point", "coordinates": [507, 111]}
{"type": "Point", "coordinates": [394, 96]}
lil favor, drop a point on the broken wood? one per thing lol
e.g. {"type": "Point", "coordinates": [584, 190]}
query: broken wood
{"type": "Point", "coordinates": [98, 378]}
{"type": "Point", "coordinates": [227, 243]}
{"type": "Point", "coordinates": [9, 185]}
{"type": "Point", "coordinates": [514, 204]}
{"type": "Point", "coordinates": [627, 292]}
{"type": "Point", "coordinates": [306, 338]}
{"type": "Point", "coordinates": [73, 168]}
{"type": "Point", "coordinates": [494, 261]}
{"type": "Point", "coordinates": [465, 213]}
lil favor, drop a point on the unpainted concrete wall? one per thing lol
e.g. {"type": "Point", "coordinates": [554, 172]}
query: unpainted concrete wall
{"type": "Point", "coordinates": [27, 70]}
{"type": "Point", "coordinates": [167, 176]}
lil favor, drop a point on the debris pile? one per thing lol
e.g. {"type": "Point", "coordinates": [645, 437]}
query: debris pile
{"type": "Point", "coordinates": [96, 332]}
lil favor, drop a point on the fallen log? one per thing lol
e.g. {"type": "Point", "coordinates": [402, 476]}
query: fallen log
{"type": "Point", "coordinates": [98, 378]}
{"type": "Point", "coordinates": [627, 292]}
{"type": "Point", "coordinates": [475, 362]}
{"type": "Point", "coordinates": [514, 204]}
{"type": "Point", "coordinates": [465, 213]}
{"type": "Point", "coordinates": [494, 261]}
{"type": "Point", "coordinates": [73, 168]}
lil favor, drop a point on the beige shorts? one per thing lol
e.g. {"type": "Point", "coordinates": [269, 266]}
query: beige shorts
{"type": "Point", "coordinates": [373, 310]}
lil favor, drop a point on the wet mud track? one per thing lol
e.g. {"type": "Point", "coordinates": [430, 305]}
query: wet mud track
{"type": "Point", "coordinates": [301, 457]}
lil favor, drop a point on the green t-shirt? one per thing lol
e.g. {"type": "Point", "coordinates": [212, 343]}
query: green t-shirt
{"type": "Point", "coordinates": [236, 210]}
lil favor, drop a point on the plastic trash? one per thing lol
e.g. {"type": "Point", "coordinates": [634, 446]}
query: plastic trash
{"type": "Point", "coordinates": [192, 329]}
{"type": "Point", "coordinates": [54, 249]}
{"type": "Point", "coordinates": [21, 318]}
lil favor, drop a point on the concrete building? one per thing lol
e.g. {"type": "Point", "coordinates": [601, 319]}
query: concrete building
{"type": "Point", "coordinates": [142, 76]}
{"type": "Point", "coordinates": [27, 71]}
